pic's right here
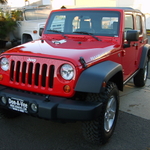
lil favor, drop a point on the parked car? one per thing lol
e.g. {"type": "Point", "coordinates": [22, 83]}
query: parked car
{"type": "Point", "coordinates": [30, 22]}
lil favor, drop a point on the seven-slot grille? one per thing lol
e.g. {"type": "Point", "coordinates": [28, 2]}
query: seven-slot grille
{"type": "Point", "coordinates": [32, 73]}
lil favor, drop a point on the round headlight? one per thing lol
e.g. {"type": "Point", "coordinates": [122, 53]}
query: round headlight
{"type": "Point", "coordinates": [4, 64]}
{"type": "Point", "coordinates": [67, 72]}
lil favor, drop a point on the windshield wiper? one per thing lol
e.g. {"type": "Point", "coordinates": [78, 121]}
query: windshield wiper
{"type": "Point", "coordinates": [56, 31]}
{"type": "Point", "coordinates": [87, 33]}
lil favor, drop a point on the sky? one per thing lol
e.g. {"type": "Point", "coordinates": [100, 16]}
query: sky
{"type": "Point", "coordinates": [56, 4]}
{"type": "Point", "coordinates": [19, 3]}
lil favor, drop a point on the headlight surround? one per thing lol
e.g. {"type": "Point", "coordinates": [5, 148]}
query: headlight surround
{"type": "Point", "coordinates": [4, 64]}
{"type": "Point", "coordinates": [67, 72]}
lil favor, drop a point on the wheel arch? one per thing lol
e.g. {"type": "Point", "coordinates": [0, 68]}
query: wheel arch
{"type": "Point", "coordinates": [92, 79]}
{"type": "Point", "coordinates": [145, 55]}
{"type": "Point", "coordinates": [25, 36]}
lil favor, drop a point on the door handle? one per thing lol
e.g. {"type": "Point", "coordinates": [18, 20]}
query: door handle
{"type": "Point", "coordinates": [135, 44]}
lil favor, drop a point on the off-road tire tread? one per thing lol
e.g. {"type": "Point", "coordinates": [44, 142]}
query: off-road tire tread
{"type": "Point", "coordinates": [93, 130]}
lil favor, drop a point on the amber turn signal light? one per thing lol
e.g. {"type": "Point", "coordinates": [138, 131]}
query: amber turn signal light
{"type": "Point", "coordinates": [1, 77]}
{"type": "Point", "coordinates": [67, 88]}
{"type": "Point", "coordinates": [35, 31]}
{"type": "Point", "coordinates": [104, 84]}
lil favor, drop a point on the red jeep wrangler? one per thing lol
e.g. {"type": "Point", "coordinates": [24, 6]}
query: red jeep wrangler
{"type": "Point", "coordinates": [75, 71]}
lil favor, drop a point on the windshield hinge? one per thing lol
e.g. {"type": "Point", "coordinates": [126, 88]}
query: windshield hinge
{"type": "Point", "coordinates": [82, 61]}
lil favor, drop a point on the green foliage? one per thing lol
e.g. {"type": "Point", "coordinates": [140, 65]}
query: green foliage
{"type": "Point", "coordinates": [3, 1]}
{"type": "Point", "coordinates": [17, 15]}
{"type": "Point", "coordinates": [7, 24]}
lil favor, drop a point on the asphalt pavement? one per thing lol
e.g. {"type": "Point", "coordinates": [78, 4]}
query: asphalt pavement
{"type": "Point", "coordinates": [132, 130]}
{"type": "Point", "coordinates": [135, 100]}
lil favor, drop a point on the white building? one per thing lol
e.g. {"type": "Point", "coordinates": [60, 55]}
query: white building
{"type": "Point", "coordinates": [21, 3]}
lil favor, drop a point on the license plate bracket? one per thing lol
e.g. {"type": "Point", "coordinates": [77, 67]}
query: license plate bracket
{"type": "Point", "coordinates": [18, 104]}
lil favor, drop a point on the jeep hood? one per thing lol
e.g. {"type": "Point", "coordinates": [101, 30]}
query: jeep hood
{"type": "Point", "coordinates": [67, 49]}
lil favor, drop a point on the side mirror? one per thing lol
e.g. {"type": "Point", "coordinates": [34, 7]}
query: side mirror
{"type": "Point", "coordinates": [132, 35]}
{"type": "Point", "coordinates": [41, 31]}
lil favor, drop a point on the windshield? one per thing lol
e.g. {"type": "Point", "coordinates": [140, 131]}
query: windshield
{"type": "Point", "coordinates": [104, 23]}
{"type": "Point", "coordinates": [36, 14]}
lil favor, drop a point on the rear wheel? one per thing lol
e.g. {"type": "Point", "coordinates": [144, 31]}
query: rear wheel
{"type": "Point", "coordinates": [141, 77]}
{"type": "Point", "coordinates": [101, 129]}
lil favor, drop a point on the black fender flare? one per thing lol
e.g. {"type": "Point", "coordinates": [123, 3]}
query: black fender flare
{"type": "Point", "coordinates": [145, 55]}
{"type": "Point", "coordinates": [92, 78]}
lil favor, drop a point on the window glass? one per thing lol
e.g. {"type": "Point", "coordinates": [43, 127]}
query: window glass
{"type": "Point", "coordinates": [138, 24]}
{"type": "Point", "coordinates": [104, 23]}
{"type": "Point", "coordinates": [35, 14]}
{"type": "Point", "coordinates": [81, 23]}
{"type": "Point", "coordinates": [128, 22]}
{"type": "Point", "coordinates": [109, 22]}
{"type": "Point", "coordinates": [58, 23]}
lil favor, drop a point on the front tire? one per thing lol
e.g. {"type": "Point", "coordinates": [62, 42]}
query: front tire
{"type": "Point", "coordinates": [99, 130]}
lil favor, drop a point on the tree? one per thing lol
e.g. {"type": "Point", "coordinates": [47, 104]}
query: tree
{"type": "Point", "coordinates": [7, 24]}
{"type": "Point", "coordinates": [3, 1]}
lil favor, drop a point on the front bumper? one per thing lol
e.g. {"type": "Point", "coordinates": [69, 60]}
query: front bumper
{"type": "Point", "coordinates": [52, 107]}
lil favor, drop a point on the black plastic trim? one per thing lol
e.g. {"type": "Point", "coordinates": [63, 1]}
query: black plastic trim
{"type": "Point", "coordinates": [55, 108]}
{"type": "Point", "coordinates": [92, 78]}
{"type": "Point", "coordinates": [144, 55]}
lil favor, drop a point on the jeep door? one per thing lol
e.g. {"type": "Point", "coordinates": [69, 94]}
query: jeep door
{"type": "Point", "coordinates": [129, 60]}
